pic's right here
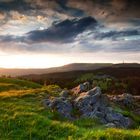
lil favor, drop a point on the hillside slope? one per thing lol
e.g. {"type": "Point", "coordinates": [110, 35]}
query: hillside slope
{"type": "Point", "coordinates": [65, 68]}
{"type": "Point", "coordinates": [22, 116]}
{"type": "Point", "coordinates": [128, 74]}
{"type": "Point", "coordinates": [16, 84]}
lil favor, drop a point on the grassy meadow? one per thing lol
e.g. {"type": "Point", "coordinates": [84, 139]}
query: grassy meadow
{"type": "Point", "coordinates": [23, 117]}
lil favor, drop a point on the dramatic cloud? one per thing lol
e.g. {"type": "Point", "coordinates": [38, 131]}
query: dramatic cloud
{"type": "Point", "coordinates": [118, 35]}
{"type": "Point", "coordinates": [15, 5]}
{"type": "Point", "coordinates": [62, 32]}
{"type": "Point", "coordinates": [70, 26]}
{"type": "Point", "coordinates": [65, 31]}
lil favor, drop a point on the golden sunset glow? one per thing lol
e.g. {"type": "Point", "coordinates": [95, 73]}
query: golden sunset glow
{"type": "Point", "coordinates": [51, 60]}
{"type": "Point", "coordinates": [50, 33]}
{"type": "Point", "coordinates": [31, 61]}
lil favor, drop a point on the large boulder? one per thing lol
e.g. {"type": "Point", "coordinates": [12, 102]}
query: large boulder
{"type": "Point", "coordinates": [94, 104]}
{"type": "Point", "coordinates": [88, 101]}
{"type": "Point", "coordinates": [60, 104]}
{"type": "Point", "coordinates": [124, 99]}
{"type": "Point", "coordinates": [118, 119]}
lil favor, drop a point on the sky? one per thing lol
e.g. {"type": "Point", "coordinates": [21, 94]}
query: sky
{"type": "Point", "coordinates": [49, 33]}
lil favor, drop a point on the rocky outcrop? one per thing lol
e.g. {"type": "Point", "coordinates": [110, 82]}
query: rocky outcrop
{"type": "Point", "coordinates": [88, 102]}
{"type": "Point", "coordinates": [94, 104]}
{"type": "Point", "coordinates": [124, 99]}
{"type": "Point", "coordinates": [91, 103]}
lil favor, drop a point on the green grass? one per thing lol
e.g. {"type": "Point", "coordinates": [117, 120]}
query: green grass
{"type": "Point", "coordinates": [23, 117]}
{"type": "Point", "coordinates": [88, 123]}
{"type": "Point", "coordinates": [11, 84]}
{"type": "Point", "coordinates": [7, 86]}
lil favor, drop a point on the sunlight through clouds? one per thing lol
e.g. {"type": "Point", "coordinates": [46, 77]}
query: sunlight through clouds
{"type": "Point", "coordinates": [61, 32]}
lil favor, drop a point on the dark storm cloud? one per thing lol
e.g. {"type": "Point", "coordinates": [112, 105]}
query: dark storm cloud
{"type": "Point", "coordinates": [109, 10]}
{"type": "Point", "coordinates": [114, 35]}
{"type": "Point", "coordinates": [68, 10]}
{"type": "Point", "coordinates": [77, 17]}
{"type": "Point", "coordinates": [6, 6]}
{"type": "Point", "coordinates": [62, 32]}
{"type": "Point", "coordinates": [68, 30]}
{"type": "Point", "coordinates": [17, 5]}
{"type": "Point", "coordinates": [106, 9]}
{"type": "Point", "coordinates": [23, 6]}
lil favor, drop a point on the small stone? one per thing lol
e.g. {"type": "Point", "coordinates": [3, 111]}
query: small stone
{"type": "Point", "coordinates": [64, 93]}
{"type": "Point", "coordinates": [110, 125]}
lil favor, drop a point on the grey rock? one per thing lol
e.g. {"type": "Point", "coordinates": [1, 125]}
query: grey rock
{"type": "Point", "coordinates": [86, 86]}
{"type": "Point", "coordinates": [81, 88]}
{"type": "Point", "coordinates": [104, 101]}
{"type": "Point", "coordinates": [92, 104]}
{"type": "Point", "coordinates": [111, 117]}
{"type": "Point", "coordinates": [124, 99]}
{"type": "Point", "coordinates": [127, 99]}
{"type": "Point", "coordinates": [63, 106]}
{"type": "Point", "coordinates": [64, 93]}
{"type": "Point", "coordinates": [126, 122]}
{"type": "Point", "coordinates": [99, 114]}
{"type": "Point", "coordinates": [118, 119]}
{"type": "Point", "coordinates": [95, 91]}
{"type": "Point", "coordinates": [89, 102]}
{"type": "Point", "coordinates": [110, 125]}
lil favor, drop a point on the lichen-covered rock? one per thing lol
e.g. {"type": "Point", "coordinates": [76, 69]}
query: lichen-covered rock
{"type": "Point", "coordinates": [124, 99]}
{"type": "Point", "coordinates": [92, 104]}
{"type": "Point", "coordinates": [87, 102]}
{"type": "Point", "coordinates": [116, 118]}
{"type": "Point", "coordinates": [61, 105]}
{"type": "Point", "coordinates": [113, 116]}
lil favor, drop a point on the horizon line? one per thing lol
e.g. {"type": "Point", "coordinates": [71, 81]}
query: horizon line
{"type": "Point", "coordinates": [66, 65]}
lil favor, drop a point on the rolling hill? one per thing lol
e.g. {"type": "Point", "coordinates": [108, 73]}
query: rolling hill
{"type": "Point", "coordinates": [65, 68]}
{"type": "Point", "coordinates": [126, 73]}
{"type": "Point", "coordinates": [7, 84]}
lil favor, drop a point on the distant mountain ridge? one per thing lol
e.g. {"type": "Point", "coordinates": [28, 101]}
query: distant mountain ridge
{"type": "Point", "coordinates": [65, 68]}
